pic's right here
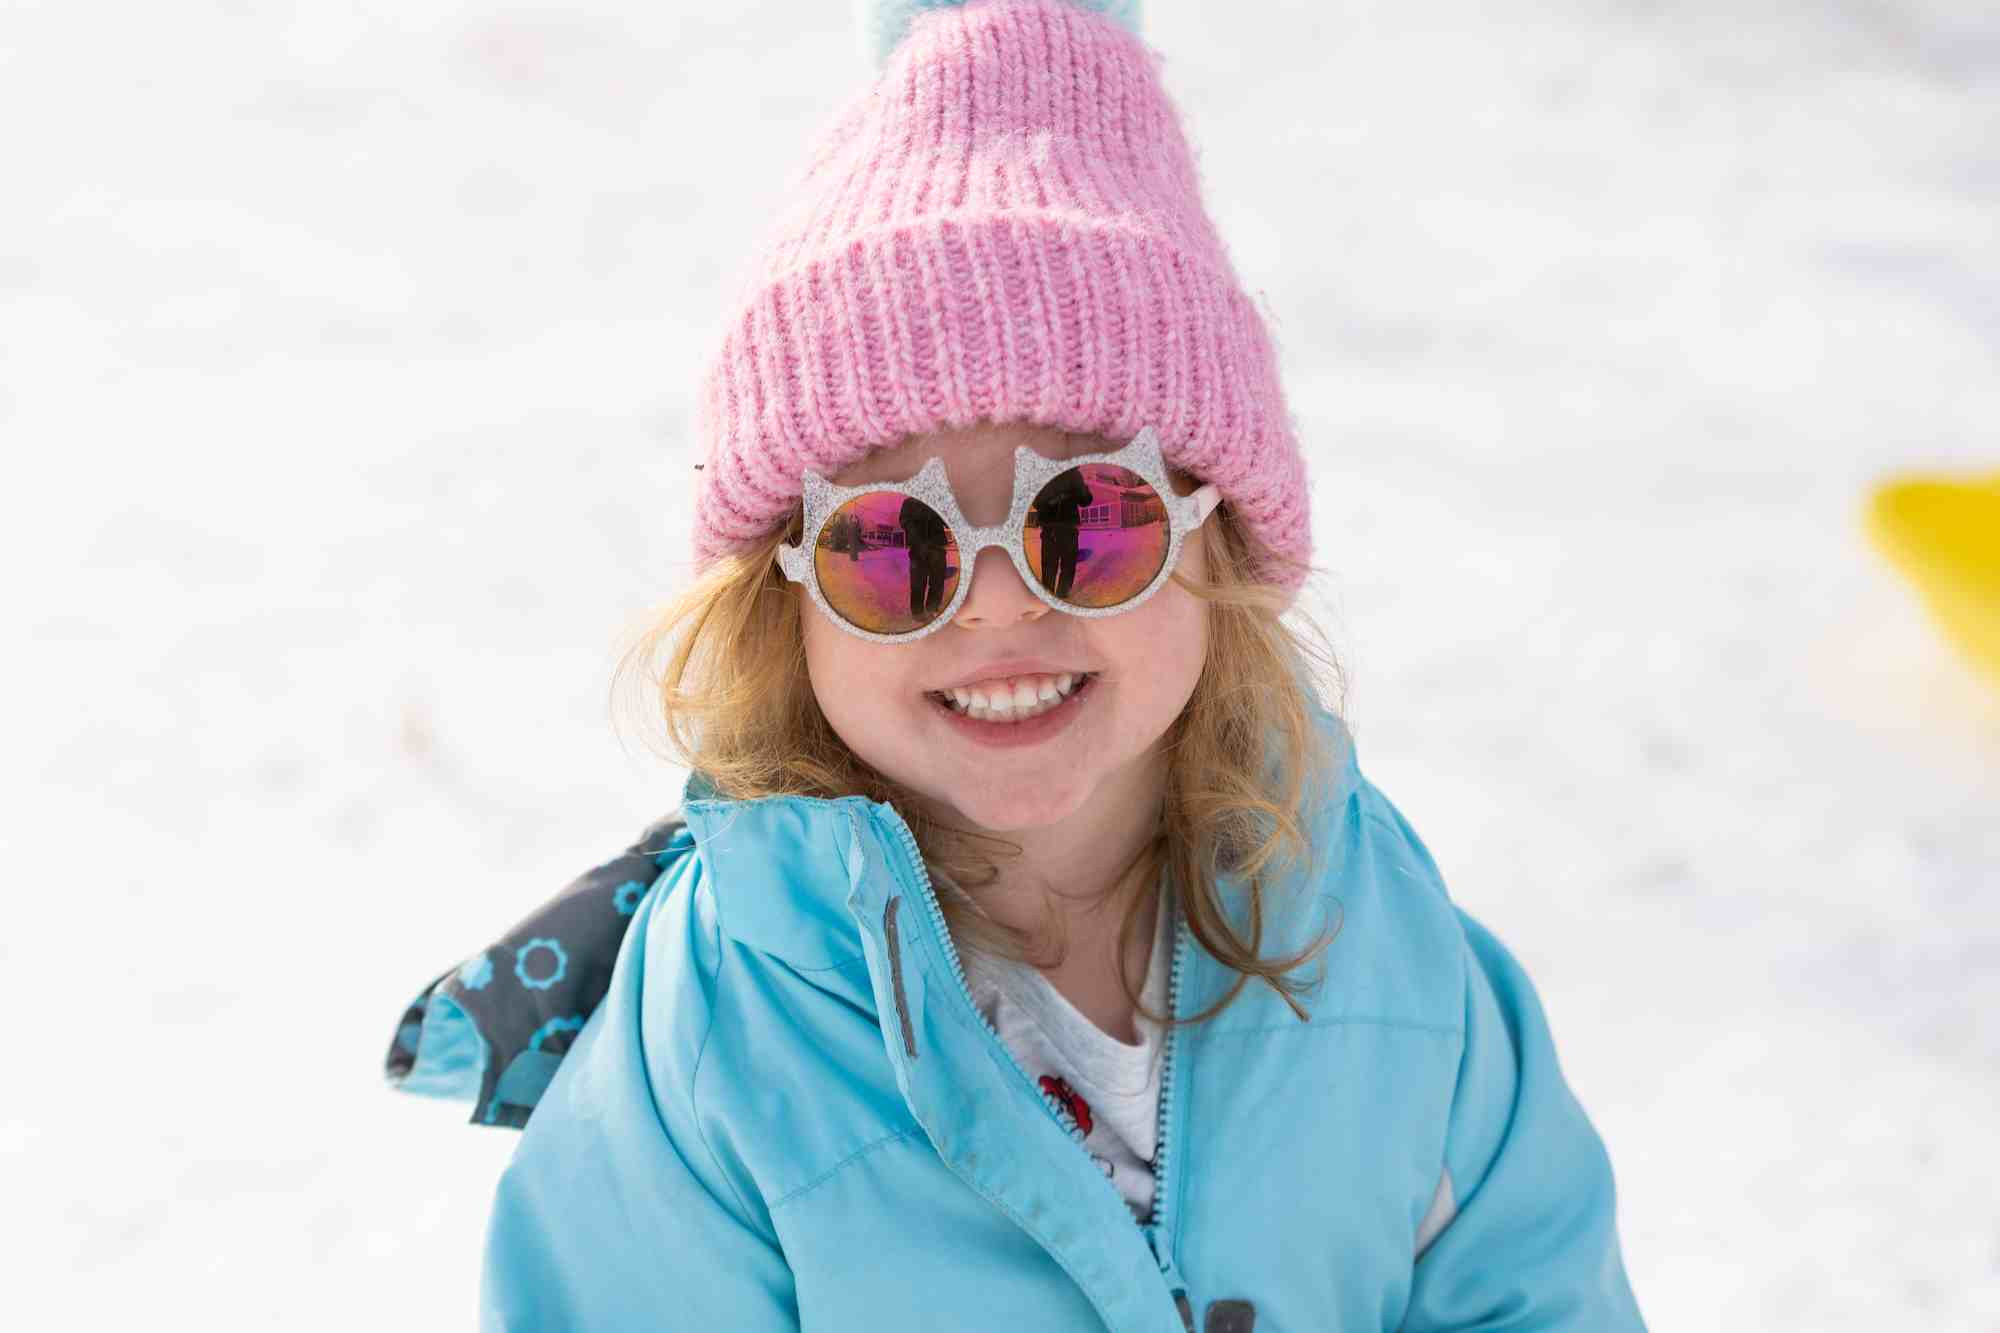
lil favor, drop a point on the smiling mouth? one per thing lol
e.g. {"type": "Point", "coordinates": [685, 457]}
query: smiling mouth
{"type": "Point", "coordinates": [1015, 700]}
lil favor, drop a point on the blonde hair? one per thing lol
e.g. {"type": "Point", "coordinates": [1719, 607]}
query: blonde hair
{"type": "Point", "coordinates": [718, 675]}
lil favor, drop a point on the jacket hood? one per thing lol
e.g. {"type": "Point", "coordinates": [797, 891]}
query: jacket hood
{"type": "Point", "coordinates": [492, 1027]}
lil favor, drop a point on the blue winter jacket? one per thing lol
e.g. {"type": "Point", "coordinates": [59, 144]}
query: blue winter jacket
{"type": "Point", "coordinates": [786, 1113]}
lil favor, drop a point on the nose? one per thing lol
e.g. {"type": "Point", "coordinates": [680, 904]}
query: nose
{"type": "Point", "coordinates": [998, 597]}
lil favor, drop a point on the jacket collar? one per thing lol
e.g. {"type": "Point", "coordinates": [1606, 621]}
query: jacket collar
{"type": "Point", "coordinates": [782, 869]}
{"type": "Point", "coordinates": [796, 875]}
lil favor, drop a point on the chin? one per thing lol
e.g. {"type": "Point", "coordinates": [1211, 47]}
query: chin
{"type": "Point", "coordinates": [1019, 805]}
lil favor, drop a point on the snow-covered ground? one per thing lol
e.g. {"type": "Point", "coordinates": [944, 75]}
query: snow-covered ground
{"type": "Point", "coordinates": [345, 359]}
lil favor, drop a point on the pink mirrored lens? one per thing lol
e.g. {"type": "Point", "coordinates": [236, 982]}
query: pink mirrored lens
{"type": "Point", "coordinates": [886, 563]}
{"type": "Point", "coordinates": [1097, 535]}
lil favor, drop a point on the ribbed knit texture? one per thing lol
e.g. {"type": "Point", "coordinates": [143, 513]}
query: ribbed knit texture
{"type": "Point", "coordinates": [1006, 226]}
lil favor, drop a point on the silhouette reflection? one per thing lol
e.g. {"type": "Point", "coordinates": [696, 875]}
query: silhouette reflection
{"type": "Point", "coordinates": [924, 536]}
{"type": "Point", "coordinates": [1058, 510]}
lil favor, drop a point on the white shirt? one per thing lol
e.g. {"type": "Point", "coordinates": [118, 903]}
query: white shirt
{"type": "Point", "coordinates": [1111, 1088]}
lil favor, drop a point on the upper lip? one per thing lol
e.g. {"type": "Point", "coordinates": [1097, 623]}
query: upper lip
{"type": "Point", "coordinates": [1009, 666]}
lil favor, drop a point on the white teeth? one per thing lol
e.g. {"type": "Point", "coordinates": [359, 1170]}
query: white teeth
{"type": "Point", "coordinates": [1016, 701]}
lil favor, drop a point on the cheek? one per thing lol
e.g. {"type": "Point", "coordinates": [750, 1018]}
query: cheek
{"type": "Point", "coordinates": [830, 659]}
{"type": "Point", "coordinates": [1159, 651]}
{"type": "Point", "coordinates": [836, 663]}
{"type": "Point", "coordinates": [1182, 632]}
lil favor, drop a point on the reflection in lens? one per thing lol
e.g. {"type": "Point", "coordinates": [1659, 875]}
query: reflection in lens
{"type": "Point", "coordinates": [886, 562]}
{"type": "Point", "coordinates": [1097, 535]}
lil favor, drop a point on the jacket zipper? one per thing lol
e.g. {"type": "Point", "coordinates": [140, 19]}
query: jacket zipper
{"type": "Point", "coordinates": [1061, 1114]}
{"type": "Point", "coordinates": [1156, 1231]}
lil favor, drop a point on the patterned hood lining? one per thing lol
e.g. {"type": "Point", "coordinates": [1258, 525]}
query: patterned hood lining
{"type": "Point", "coordinates": [493, 1028]}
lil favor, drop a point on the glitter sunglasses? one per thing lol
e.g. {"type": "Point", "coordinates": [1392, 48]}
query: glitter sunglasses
{"type": "Point", "coordinates": [1092, 535]}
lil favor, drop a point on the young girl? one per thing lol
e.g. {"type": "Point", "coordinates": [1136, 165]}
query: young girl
{"type": "Point", "coordinates": [1028, 951]}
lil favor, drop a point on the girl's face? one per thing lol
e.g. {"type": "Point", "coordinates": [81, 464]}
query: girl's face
{"type": "Point", "coordinates": [1132, 673]}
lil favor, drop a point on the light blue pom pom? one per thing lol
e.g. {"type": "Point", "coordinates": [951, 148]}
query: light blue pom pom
{"type": "Point", "coordinates": [884, 22]}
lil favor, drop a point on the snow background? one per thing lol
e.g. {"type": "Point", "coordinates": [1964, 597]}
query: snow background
{"type": "Point", "coordinates": [347, 352]}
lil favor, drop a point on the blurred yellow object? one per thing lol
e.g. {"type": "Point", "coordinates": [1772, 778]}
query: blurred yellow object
{"type": "Point", "coordinates": [1945, 535]}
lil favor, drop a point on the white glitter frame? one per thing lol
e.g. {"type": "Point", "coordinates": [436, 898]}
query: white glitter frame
{"type": "Point", "coordinates": [1032, 471]}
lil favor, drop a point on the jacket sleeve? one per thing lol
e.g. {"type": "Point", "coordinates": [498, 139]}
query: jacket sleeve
{"type": "Point", "coordinates": [1529, 1240]}
{"type": "Point", "coordinates": [613, 1214]}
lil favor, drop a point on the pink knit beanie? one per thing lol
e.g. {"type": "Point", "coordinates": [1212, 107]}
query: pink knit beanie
{"type": "Point", "coordinates": [1005, 226]}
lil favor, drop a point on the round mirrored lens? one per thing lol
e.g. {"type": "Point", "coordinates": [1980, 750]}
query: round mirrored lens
{"type": "Point", "coordinates": [887, 563]}
{"type": "Point", "coordinates": [1097, 535]}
